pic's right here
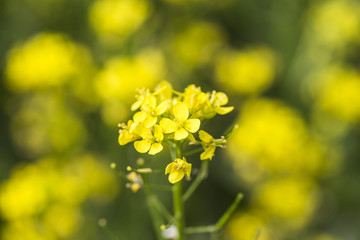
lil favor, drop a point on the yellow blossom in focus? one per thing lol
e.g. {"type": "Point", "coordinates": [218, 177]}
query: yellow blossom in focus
{"type": "Point", "coordinates": [113, 20]}
{"type": "Point", "coordinates": [181, 125]}
{"type": "Point", "coordinates": [249, 71]}
{"type": "Point", "coordinates": [178, 169]}
{"type": "Point", "coordinates": [151, 142]}
{"type": "Point", "coordinates": [217, 101]}
{"type": "Point", "coordinates": [127, 133]}
{"type": "Point", "coordinates": [150, 111]}
{"type": "Point", "coordinates": [209, 144]}
{"type": "Point", "coordinates": [195, 99]}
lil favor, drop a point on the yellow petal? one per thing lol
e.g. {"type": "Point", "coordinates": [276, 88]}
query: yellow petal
{"type": "Point", "coordinates": [205, 137]}
{"type": "Point", "coordinates": [142, 131]}
{"type": "Point", "coordinates": [176, 176]}
{"type": "Point", "coordinates": [224, 110]}
{"type": "Point", "coordinates": [155, 148]}
{"type": "Point", "coordinates": [140, 116]}
{"type": "Point", "coordinates": [181, 134]}
{"type": "Point", "coordinates": [187, 169]}
{"type": "Point", "coordinates": [221, 98]}
{"type": "Point", "coordinates": [181, 111]}
{"type": "Point", "coordinates": [192, 125]}
{"type": "Point", "coordinates": [150, 121]}
{"type": "Point", "coordinates": [161, 108]}
{"type": "Point", "coordinates": [208, 153]}
{"type": "Point", "coordinates": [170, 168]}
{"type": "Point", "coordinates": [135, 105]}
{"type": "Point", "coordinates": [124, 138]}
{"type": "Point", "coordinates": [149, 103]}
{"type": "Point", "coordinates": [158, 134]}
{"type": "Point", "coordinates": [167, 125]}
{"type": "Point", "coordinates": [142, 146]}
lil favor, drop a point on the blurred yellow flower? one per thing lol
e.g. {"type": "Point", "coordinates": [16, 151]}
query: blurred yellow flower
{"type": "Point", "coordinates": [49, 193]}
{"type": "Point", "coordinates": [273, 138]}
{"type": "Point", "coordinates": [196, 44]}
{"type": "Point", "coordinates": [292, 199]}
{"type": "Point", "coordinates": [335, 23]}
{"type": "Point", "coordinates": [121, 76]}
{"type": "Point", "coordinates": [338, 93]}
{"type": "Point", "coordinates": [249, 71]}
{"type": "Point", "coordinates": [113, 20]}
{"type": "Point", "coordinates": [243, 226]}
{"type": "Point", "coordinates": [41, 124]}
{"type": "Point", "coordinates": [46, 60]}
{"type": "Point", "coordinates": [178, 169]}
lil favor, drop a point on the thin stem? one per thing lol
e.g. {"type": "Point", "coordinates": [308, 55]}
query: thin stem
{"type": "Point", "coordinates": [152, 203]}
{"type": "Point", "coordinates": [192, 152]}
{"type": "Point", "coordinates": [177, 198]}
{"type": "Point", "coordinates": [201, 176]}
{"type": "Point", "coordinates": [201, 229]}
{"type": "Point", "coordinates": [222, 221]}
{"type": "Point", "coordinates": [225, 217]}
{"type": "Point", "coordinates": [161, 209]}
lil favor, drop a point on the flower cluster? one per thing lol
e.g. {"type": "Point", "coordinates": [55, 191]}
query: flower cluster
{"type": "Point", "coordinates": [166, 115]}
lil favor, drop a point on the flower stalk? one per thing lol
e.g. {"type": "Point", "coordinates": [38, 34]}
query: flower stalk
{"type": "Point", "coordinates": [165, 116]}
{"type": "Point", "coordinates": [177, 199]}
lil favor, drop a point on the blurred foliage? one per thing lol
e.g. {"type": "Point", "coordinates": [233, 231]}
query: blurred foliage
{"type": "Point", "coordinates": [69, 73]}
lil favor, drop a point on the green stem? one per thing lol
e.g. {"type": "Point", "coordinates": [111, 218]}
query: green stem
{"type": "Point", "coordinates": [201, 176]}
{"type": "Point", "coordinates": [225, 217]}
{"type": "Point", "coordinates": [152, 203]}
{"type": "Point", "coordinates": [192, 152]}
{"type": "Point", "coordinates": [177, 198]}
{"type": "Point", "coordinates": [220, 224]}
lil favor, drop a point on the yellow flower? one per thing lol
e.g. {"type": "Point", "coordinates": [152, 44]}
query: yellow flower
{"type": "Point", "coordinates": [217, 100]}
{"type": "Point", "coordinates": [127, 133]}
{"type": "Point", "coordinates": [140, 98]}
{"type": "Point", "coordinates": [149, 112]}
{"type": "Point", "coordinates": [163, 91]}
{"type": "Point", "coordinates": [181, 125]}
{"type": "Point", "coordinates": [178, 169]}
{"type": "Point", "coordinates": [195, 99]}
{"type": "Point", "coordinates": [150, 143]}
{"type": "Point", "coordinates": [209, 144]}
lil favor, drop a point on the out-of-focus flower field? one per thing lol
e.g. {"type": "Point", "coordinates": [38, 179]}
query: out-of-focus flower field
{"type": "Point", "coordinates": [69, 74]}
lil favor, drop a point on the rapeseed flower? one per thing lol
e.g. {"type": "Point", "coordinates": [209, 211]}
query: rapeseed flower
{"type": "Point", "coordinates": [168, 116]}
{"type": "Point", "coordinates": [209, 144]}
{"type": "Point", "coordinates": [151, 142]}
{"type": "Point", "coordinates": [178, 169]}
{"type": "Point", "coordinates": [181, 125]}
